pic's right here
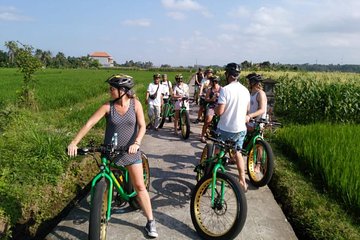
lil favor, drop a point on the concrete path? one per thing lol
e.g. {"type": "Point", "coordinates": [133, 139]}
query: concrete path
{"type": "Point", "coordinates": [172, 162]}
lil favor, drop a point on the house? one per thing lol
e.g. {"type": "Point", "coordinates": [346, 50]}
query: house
{"type": "Point", "coordinates": [104, 58]}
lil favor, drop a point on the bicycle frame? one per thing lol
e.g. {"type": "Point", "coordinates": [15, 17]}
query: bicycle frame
{"type": "Point", "coordinates": [105, 172]}
{"type": "Point", "coordinates": [218, 165]}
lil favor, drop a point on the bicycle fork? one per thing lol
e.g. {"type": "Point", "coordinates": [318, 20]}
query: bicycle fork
{"type": "Point", "coordinates": [213, 187]}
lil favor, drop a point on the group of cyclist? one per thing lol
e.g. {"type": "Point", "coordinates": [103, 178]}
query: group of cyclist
{"type": "Point", "coordinates": [233, 103]}
{"type": "Point", "coordinates": [162, 91]}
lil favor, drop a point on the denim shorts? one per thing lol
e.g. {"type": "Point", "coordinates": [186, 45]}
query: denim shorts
{"type": "Point", "coordinates": [237, 137]}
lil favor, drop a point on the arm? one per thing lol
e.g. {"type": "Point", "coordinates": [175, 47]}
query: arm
{"type": "Point", "coordinates": [142, 127]}
{"type": "Point", "coordinates": [95, 118]}
{"type": "Point", "coordinates": [262, 100]}
{"type": "Point", "coordinates": [219, 109]}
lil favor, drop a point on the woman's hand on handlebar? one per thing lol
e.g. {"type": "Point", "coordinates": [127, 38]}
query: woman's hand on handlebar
{"type": "Point", "coordinates": [134, 148]}
{"type": "Point", "coordinates": [72, 150]}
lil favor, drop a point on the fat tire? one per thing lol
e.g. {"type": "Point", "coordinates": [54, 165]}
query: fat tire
{"type": "Point", "coordinates": [97, 219]}
{"type": "Point", "coordinates": [207, 151]}
{"type": "Point", "coordinates": [185, 122]}
{"type": "Point", "coordinates": [269, 165]}
{"type": "Point", "coordinates": [164, 114]}
{"type": "Point", "coordinates": [241, 204]}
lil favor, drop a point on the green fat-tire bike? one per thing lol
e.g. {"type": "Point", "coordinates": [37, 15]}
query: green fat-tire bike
{"type": "Point", "coordinates": [168, 111]}
{"type": "Point", "coordinates": [111, 185]}
{"type": "Point", "coordinates": [218, 204]}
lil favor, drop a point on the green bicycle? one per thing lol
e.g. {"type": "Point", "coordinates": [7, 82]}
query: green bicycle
{"type": "Point", "coordinates": [111, 177]}
{"type": "Point", "coordinates": [218, 204]}
{"type": "Point", "coordinates": [168, 111]}
{"type": "Point", "coordinates": [260, 156]}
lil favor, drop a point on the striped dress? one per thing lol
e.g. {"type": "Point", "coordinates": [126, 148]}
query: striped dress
{"type": "Point", "coordinates": [126, 128]}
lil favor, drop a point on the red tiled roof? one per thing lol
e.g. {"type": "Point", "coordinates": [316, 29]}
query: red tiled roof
{"type": "Point", "coordinates": [99, 54]}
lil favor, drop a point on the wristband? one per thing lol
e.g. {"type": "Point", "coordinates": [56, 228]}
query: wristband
{"type": "Point", "coordinates": [137, 143]}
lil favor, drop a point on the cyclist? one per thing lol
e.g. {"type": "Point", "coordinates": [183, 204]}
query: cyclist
{"type": "Point", "coordinates": [258, 99]}
{"type": "Point", "coordinates": [181, 90]}
{"type": "Point", "coordinates": [124, 115]}
{"type": "Point", "coordinates": [211, 98]}
{"type": "Point", "coordinates": [198, 78]}
{"type": "Point", "coordinates": [258, 106]}
{"type": "Point", "coordinates": [154, 99]}
{"type": "Point", "coordinates": [233, 104]}
{"type": "Point", "coordinates": [166, 88]}
{"type": "Point", "coordinates": [205, 82]}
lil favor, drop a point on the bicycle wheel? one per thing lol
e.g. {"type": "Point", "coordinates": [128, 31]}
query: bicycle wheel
{"type": "Point", "coordinates": [185, 124]}
{"type": "Point", "coordinates": [208, 151]}
{"type": "Point", "coordinates": [164, 114]}
{"type": "Point", "coordinates": [226, 218]}
{"type": "Point", "coordinates": [264, 156]}
{"type": "Point", "coordinates": [98, 222]}
{"type": "Point", "coordinates": [134, 203]}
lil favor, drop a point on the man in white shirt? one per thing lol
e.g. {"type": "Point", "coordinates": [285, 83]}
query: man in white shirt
{"type": "Point", "coordinates": [233, 105]}
{"type": "Point", "coordinates": [154, 101]}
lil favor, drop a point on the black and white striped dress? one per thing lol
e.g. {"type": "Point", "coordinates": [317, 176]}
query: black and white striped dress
{"type": "Point", "coordinates": [126, 128]}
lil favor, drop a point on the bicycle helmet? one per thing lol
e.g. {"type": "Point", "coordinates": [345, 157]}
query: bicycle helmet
{"type": "Point", "coordinates": [254, 78]}
{"type": "Point", "coordinates": [178, 76]}
{"type": "Point", "coordinates": [233, 69]}
{"type": "Point", "coordinates": [157, 75]}
{"type": "Point", "coordinates": [121, 81]}
{"type": "Point", "coordinates": [214, 78]}
{"type": "Point", "coordinates": [209, 70]}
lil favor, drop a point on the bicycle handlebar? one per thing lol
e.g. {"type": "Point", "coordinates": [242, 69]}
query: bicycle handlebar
{"type": "Point", "coordinates": [265, 121]}
{"type": "Point", "coordinates": [101, 149]}
{"type": "Point", "coordinates": [227, 143]}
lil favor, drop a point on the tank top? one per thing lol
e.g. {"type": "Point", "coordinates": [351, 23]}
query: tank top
{"type": "Point", "coordinates": [126, 128]}
{"type": "Point", "coordinates": [254, 105]}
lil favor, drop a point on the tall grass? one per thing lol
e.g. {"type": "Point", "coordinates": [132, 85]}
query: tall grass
{"type": "Point", "coordinates": [331, 153]}
{"type": "Point", "coordinates": [317, 97]}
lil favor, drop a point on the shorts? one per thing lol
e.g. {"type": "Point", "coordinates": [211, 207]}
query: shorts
{"type": "Point", "coordinates": [237, 137]}
{"type": "Point", "coordinates": [203, 102]}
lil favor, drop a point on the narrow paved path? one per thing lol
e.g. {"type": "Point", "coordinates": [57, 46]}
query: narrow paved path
{"type": "Point", "coordinates": [172, 162]}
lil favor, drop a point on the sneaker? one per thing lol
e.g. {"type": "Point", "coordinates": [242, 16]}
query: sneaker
{"type": "Point", "coordinates": [150, 228]}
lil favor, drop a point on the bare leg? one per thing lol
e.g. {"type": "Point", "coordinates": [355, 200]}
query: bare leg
{"type": "Point", "coordinates": [241, 169]}
{"type": "Point", "coordinates": [206, 125]}
{"type": "Point", "coordinates": [176, 119]}
{"type": "Point", "coordinates": [136, 175]}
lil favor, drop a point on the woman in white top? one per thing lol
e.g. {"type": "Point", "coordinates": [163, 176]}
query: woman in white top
{"type": "Point", "coordinates": [258, 99]}
{"type": "Point", "coordinates": [181, 90]}
{"type": "Point", "coordinates": [258, 105]}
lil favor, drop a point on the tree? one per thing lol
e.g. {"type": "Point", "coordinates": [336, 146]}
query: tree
{"type": "Point", "coordinates": [12, 48]}
{"type": "Point", "coordinates": [28, 65]}
{"type": "Point", "coordinates": [3, 59]}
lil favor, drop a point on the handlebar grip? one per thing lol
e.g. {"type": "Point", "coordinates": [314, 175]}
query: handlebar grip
{"type": "Point", "coordinates": [82, 151]}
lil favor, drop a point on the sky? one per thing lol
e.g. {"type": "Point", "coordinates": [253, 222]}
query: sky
{"type": "Point", "coordinates": [189, 32]}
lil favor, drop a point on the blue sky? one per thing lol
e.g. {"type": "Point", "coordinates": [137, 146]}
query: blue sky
{"type": "Point", "coordinates": [188, 32]}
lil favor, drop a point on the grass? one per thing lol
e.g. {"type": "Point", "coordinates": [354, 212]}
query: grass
{"type": "Point", "coordinates": [329, 153]}
{"type": "Point", "coordinates": [312, 212]}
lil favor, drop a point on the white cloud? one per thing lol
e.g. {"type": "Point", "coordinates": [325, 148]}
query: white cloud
{"type": "Point", "coordinates": [183, 5]}
{"type": "Point", "coordinates": [176, 15]}
{"type": "Point", "coordinates": [137, 22]}
{"type": "Point", "coordinates": [230, 27]}
{"type": "Point", "coordinates": [239, 12]}
{"type": "Point", "coordinates": [270, 21]}
{"type": "Point", "coordinates": [178, 6]}
{"type": "Point", "coordinates": [12, 14]}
